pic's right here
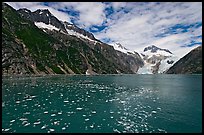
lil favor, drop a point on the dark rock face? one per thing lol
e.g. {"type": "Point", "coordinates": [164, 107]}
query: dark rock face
{"type": "Point", "coordinates": [41, 16]}
{"type": "Point", "coordinates": [191, 63]}
{"type": "Point", "coordinates": [154, 49]}
{"type": "Point", "coordinates": [26, 49]}
{"type": "Point", "coordinates": [170, 61]}
{"type": "Point", "coordinates": [46, 17]}
{"type": "Point", "coordinates": [132, 61]}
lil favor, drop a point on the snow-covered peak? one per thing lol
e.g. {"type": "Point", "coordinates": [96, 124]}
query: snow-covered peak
{"type": "Point", "coordinates": [119, 47]}
{"type": "Point", "coordinates": [43, 12]}
{"type": "Point", "coordinates": [153, 50]}
{"type": "Point", "coordinates": [156, 60]}
{"type": "Point", "coordinates": [26, 10]}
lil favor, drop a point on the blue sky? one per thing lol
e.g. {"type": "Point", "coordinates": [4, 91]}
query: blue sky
{"type": "Point", "coordinates": [176, 26]}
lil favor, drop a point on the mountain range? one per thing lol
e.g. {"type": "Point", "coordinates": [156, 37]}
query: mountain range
{"type": "Point", "coordinates": [38, 43]}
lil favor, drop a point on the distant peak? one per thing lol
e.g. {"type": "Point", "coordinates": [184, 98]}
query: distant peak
{"type": "Point", "coordinates": [43, 11]}
{"type": "Point", "coordinates": [154, 49]}
{"type": "Point", "coordinates": [25, 9]}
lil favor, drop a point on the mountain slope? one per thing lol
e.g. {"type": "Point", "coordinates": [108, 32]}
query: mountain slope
{"type": "Point", "coordinates": [30, 50]}
{"type": "Point", "coordinates": [38, 43]}
{"type": "Point", "coordinates": [191, 63]}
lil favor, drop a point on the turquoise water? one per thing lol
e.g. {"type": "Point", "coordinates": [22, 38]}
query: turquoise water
{"type": "Point", "coordinates": [105, 104]}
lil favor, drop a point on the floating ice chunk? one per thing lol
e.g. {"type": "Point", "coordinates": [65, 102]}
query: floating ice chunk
{"type": "Point", "coordinates": [93, 112]}
{"type": "Point", "coordinates": [26, 113]}
{"type": "Point", "coordinates": [56, 123]}
{"type": "Point", "coordinates": [12, 121]}
{"type": "Point", "coordinates": [43, 127]}
{"type": "Point", "coordinates": [66, 101]}
{"type": "Point", "coordinates": [79, 108]}
{"type": "Point", "coordinates": [158, 108]}
{"type": "Point", "coordinates": [51, 129]}
{"type": "Point", "coordinates": [7, 129]}
{"type": "Point", "coordinates": [87, 119]}
{"type": "Point", "coordinates": [23, 119]}
{"type": "Point", "coordinates": [17, 102]}
{"type": "Point", "coordinates": [46, 112]}
{"type": "Point", "coordinates": [63, 128]}
{"type": "Point", "coordinates": [115, 130]}
{"type": "Point", "coordinates": [154, 112]}
{"type": "Point", "coordinates": [26, 124]}
{"type": "Point", "coordinates": [139, 117]}
{"type": "Point", "coordinates": [59, 112]}
{"type": "Point", "coordinates": [122, 102]}
{"type": "Point", "coordinates": [37, 122]}
{"type": "Point", "coordinates": [161, 130]}
{"type": "Point", "coordinates": [92, 126]}
{"type": "Point", "coordinates": [53, 115]}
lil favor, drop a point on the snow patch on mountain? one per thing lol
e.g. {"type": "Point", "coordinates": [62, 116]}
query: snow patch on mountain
{"type": "Point", "coordinates": [46, 26]}
{"type": "Point", "coordinates": [157, 53]}
{"type": "Point", "coordinates": [74, 33]}
{"type": "Point", "coordinates": [119, 47]}
{"type": "Point", "coordinates": [167, 63]}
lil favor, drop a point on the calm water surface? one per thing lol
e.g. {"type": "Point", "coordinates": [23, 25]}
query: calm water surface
{"type": "Point", "coordinates": [106, 103]}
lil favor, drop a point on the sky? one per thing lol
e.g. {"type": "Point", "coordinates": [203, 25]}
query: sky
{"type": "Point", "coordinates": [176, 26]}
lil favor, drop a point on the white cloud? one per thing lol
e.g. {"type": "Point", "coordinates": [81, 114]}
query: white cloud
{"type": "Point", "coordinates": [144, 22]}
{"type": "Point", "coordinates": [118, 5]}
{"type": "Point", "coordinates": [90, 13]}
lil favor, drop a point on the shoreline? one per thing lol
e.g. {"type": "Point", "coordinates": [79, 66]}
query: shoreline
{"type": "Point", "coordinates": [47, 75]}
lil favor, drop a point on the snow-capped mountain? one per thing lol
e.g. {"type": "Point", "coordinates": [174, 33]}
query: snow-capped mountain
{"type": "Point", "coordinates": [45, 20]}
{"type": "Point", "coordinates": [156, 60]}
